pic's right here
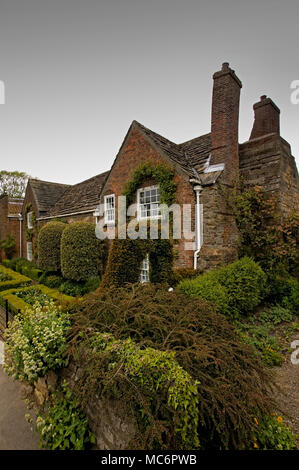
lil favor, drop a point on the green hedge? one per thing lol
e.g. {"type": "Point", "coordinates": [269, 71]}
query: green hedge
{"type": "Point", "coordinates": [15, 303]}
{"type": "Point", "coordinates": [82, 253]}
{"type": "Point", "coordinates": [234, 289]}
{"type": "Point", "coordinates": [23, 266]}
{"type": "Point", "coordinates": [125, 258]}
{"type": "Point", "coordinates": [17, 280]}
{"type": "Point", "coordinates": [49, 241]}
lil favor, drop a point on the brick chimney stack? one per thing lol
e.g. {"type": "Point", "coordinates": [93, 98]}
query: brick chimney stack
{"type": "Point", "coordinates": [225, 121]}
{"type": "Point", "coordinates": [266, 118]}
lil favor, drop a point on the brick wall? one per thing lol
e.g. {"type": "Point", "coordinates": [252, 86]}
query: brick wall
{"type": "Point", "coordinates": [9, 221]}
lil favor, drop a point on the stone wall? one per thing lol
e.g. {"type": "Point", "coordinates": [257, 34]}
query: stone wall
{"type": "Point", "coordinates": [267, 162]}
{"type": "Point", "coordinates": [112, 428]}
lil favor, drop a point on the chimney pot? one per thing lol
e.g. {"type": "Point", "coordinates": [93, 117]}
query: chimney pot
{"type": "Point", "coordinates": [263, 97]}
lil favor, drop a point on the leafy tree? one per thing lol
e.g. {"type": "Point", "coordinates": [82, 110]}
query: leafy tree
{"type": "Point", "coordinates": [13, 183]}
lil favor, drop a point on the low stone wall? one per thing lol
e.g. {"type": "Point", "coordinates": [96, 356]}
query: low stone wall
{"type": "Point", "coordinates": [112, 428]}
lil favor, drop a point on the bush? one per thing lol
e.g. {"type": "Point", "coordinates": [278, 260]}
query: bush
{"type": "Point", "coordinates": [16, 279]}
{"type": "Point", "coordinates": [76, 289]}
{"type": "Point", "coordinates": [234, 289]}
{"type": "Point", "coordinates": [16, 303]}
{"type": "Point", "coordinates": [207, 287]}
{"type": "Point", "coordinates": [49, 239]}
{"type": "Point", "coordinates": [125, 258]}
{"type": "Point", "coordinates": [272, 434]}
{"type": "Point", "coordinates": [9, 246]}
{"type": "Point", "coordinates": [245, 282]}
{"type": "Point", "coordinates": [233, 381]}
{"type": "Point", "coordinates": [72, 288]}
{"type": "Point", "coordinates": [51, 280]}
{"type": "Point", "coordinates": [36, 342]}
{"type": "Point", "coordinates": [28, 268]}
{"type": "Point", "coordinates": [284, 290]}
{"type": "Point", "coordinates": [180, 274]}
{"type": "Point", "coordinates": [82, 254]}
{"type": "Point", "coordinates": [63, 426]}
{"type": "Point", "coordinates": [148, 371]}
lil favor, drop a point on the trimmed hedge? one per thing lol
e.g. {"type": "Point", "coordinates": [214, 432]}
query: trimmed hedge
{"type": "Point", "coordinates": [17, 280]}
{"type": "Point", "coordinates": [23, 266]}
{"type": "Point", "coordinates": [125, 258]}
{"type": "Point", "coordinates": [234, 289]}
{"type": "Point", "coordinates": [49, 241]}
{"type": "Point", "coordinates": [82, 253]}
{"type": "Point", "coordinates": [15, 303]}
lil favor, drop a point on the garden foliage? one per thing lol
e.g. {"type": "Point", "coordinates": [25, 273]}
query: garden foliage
{"type": "Point", "coordinates": [233, 383]}
{"type": "Point", "coordinates": [235, 289]}
{"type": "Point", "coordinates": [36, 342]}
{"type": "Point", "coordinates": [49, 240]}
{"type": "Point", "coordinates": [82, 253]}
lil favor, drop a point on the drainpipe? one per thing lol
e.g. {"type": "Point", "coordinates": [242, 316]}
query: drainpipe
{"type": "Point", "coordinates": [20, 219]}
{"type": "Point", "coordinates": [198, 224]}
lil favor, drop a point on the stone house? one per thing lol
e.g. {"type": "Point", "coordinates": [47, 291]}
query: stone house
{"type": "Point", "coordinates": [204, 169]}
{"type": "Point", "coordinates": [206, 166]}
{"type": "Point", "coordinates": [45, 201]}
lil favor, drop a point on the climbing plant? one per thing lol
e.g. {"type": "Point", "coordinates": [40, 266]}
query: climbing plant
{"type": "Point", "coordinates": [163, 176]}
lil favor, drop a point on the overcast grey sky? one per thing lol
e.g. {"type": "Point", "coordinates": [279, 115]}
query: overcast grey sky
{"type": "Point", "coordinates": [77, 72]}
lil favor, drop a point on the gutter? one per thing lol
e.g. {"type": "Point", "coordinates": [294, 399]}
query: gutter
{"type": "Point", "coordinates": [20, 219]}
{"type": "Point", "coordinates": [66, 215]}
{"type": "Point", "coordinates": [198, 221]}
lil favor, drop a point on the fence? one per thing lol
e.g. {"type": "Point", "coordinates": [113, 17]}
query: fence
{"type": "Point", "coordinates": [5, 317]}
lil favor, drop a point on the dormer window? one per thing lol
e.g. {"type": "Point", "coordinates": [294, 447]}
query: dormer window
{"type": "Point", "coordinates": [30, 220]}
{"type": "Point", "coordinates": [109, 208]}
{"type": "Point", "coordinates": [148, 200]}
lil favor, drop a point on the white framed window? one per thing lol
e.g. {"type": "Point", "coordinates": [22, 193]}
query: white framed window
{"type": "Point", "coordinates": [148, 201]}
{"type": "Point", "coordinates": [29, 220]}
{"type": "Point", "coordinates": [144, 270]}
{"type": "Point", "coordinates": [109, 208]}
{"type": "Point", "coordinates": [29, 251]}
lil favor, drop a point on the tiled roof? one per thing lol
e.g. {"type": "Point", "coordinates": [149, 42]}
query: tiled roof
{"type": "Point", "coordinates": [81, 197]}
{"type": "Point", "coordinates": [46, 193]}
{"type": "Point", "coordinates": [189, 155]}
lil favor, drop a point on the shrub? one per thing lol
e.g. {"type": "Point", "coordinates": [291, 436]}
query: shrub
{"type": "Point", "coordinates": [272, 434]}
{"type": "Point", "coordinates": [156, 377]}
{"type": "Point", "coordinates": [208, 288]}
{"type": "Point", "coordinates": [9, 246]}
{"type": "Point", "coordinates": [16, 303]}
{"type": "Point", "coordinates": [233, 381]}
{"type": "Point", "coordinates": [36, 342]}
{"type": "Point", "coordinates": [245, 282]}
{"type": "Point", "coordinates": [82, 254]}
{"type": "Point", "coordinates": [72, 288]}
{"type": "Point", "coordinates": [28, 268]}
{"type": "Point", "coordinates": [51, 280]}
{"type": "Point", "coordinates": [49, 239]}
{"type": "Point", "coordinates": [62, 426]}
{"type": "Point", "coordinates": [265, 236]}
{"type": "Point", "coordinates": [16, 280]}
{"type": "Point", "coordinates": [234, 289]}
{"type": "Point", "coordinates": [125, 258]}
{"type": "Point", "coordinates": [180, 274]}
{"type": "Point", "coordinates": [284, 290]}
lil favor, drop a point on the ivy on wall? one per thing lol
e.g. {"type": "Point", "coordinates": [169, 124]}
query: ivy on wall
{"type": "Point", "coordinates": [163, 176]}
